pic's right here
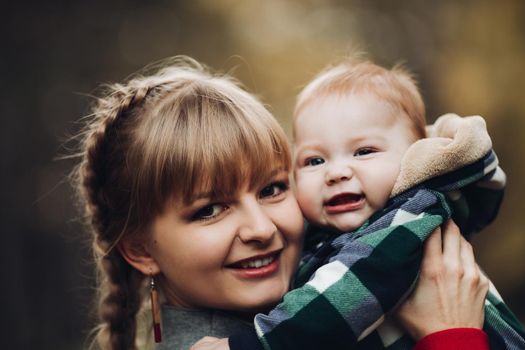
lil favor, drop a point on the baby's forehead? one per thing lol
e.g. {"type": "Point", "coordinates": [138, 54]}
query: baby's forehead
{"type": "Point", "coordinates": [383, 112]}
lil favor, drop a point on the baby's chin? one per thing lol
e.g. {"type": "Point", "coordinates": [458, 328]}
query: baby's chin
{"type": "Point", "coordinates": [337, 224]}
{"type": "Point", "coordinates": [335, 227]}
{"type": "Point", "coordinates": [344, 226]}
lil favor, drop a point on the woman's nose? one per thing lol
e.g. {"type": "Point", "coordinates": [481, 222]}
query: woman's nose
{"type": "Point", "coordinates": [337, 173]}
{"type": "Point", "coordinates": [257, 225]}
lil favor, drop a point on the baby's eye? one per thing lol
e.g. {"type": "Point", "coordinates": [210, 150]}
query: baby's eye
{"type": "Point", "coordinates": [209, 212]}
{"type": "Point", "coordinates": [364, 151]}
{"type": "Point", "coordinates": [273, 190]}
{"type": "Point", "coordinates": [313, 161]}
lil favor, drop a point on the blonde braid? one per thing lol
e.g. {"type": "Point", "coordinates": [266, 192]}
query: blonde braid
{"type": "Point", "coordinates": [101, 168]}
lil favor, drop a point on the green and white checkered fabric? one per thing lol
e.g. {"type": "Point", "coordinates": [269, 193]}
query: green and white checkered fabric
{"type": "Point", "coordinates": [351, 282]}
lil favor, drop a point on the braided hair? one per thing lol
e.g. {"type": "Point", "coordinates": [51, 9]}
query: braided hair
{"type": "Point", "coordinates": [107, 208]}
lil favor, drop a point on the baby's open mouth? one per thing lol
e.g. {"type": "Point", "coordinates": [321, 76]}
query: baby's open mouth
{"type": "Point", "coordinates": [344, 202]}
{"type": "Point", "coordinates": [344, 198]}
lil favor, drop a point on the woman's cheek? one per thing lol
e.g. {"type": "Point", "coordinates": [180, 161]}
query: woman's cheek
{"type": "Point", "coordinates": [293, 233]}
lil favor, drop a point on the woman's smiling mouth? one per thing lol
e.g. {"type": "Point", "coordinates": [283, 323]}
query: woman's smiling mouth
{"type": "Point", "coordinates": [258, 266]}
{"type": "Point", "coordinates": [257, 263]}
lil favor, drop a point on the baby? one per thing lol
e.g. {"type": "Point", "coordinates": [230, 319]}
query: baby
{"type": "Point", "coordinates": [352, 127]}
{"type": "Point", "coordinates": [373, 186]}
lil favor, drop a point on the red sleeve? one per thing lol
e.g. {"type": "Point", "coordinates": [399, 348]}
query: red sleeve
{"type": "Point", "coordinates": [454, 339]}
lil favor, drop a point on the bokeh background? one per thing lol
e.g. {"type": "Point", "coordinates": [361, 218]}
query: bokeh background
{"type": "Point", "coordinates": [468, 56]}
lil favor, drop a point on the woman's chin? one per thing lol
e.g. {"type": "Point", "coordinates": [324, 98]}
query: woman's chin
{"type": "Point", "coordinates": [261, 304]}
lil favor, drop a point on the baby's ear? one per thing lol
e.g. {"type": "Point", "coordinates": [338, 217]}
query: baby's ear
{"type": "Point", "coordinates": [136, 254]}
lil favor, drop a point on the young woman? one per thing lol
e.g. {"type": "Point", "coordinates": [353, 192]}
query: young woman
{"type": "Point", "coordinates": [184, 177]}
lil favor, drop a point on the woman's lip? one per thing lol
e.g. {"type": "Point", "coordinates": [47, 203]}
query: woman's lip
{"type": "Point", "coordinates": [255, 257]}
{"type": "Point", "coordinates": [256, 272]}
{"type": "Point", "coordinates": [344, 202]}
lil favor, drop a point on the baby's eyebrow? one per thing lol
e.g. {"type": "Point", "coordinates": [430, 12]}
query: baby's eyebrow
{"type": "Point", "coordinates": [307, 147]}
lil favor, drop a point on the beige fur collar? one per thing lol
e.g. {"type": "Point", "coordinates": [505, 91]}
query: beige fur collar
{"type": "Point", "coordinates": [452, 142]}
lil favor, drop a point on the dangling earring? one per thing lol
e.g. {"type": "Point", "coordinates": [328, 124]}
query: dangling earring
{"type": "Point", "coordinates": [155, 311]}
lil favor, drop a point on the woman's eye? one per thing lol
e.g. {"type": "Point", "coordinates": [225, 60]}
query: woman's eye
{"type": "Point", "coordinates": [314, 161]}
{"type": "Point", "coordinates": [364, 151]}
{"type": "Point", "coordinates": [273, 190]}
{"type": "Point", "coordinates": [209, 212]}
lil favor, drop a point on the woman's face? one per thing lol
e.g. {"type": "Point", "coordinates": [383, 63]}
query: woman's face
{"type": "Point", "coordinates": [236, 253]}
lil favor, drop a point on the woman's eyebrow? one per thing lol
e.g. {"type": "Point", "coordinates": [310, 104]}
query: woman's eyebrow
{"type": "Point", "coordinates": [274, 173]}
{"type": "Point", "coordinates": [202, 195]}
{"type": "Point", "coordinates": [210, 194]}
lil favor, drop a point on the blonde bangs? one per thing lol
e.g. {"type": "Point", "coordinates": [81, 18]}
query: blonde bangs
{"type": "Point", "coordinates": [210, 139]}
{"type": "Point", "coordinates": [235, 148]}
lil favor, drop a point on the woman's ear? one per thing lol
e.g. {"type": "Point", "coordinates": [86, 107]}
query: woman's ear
{"type": "Point", "coordinates": [136, 254]}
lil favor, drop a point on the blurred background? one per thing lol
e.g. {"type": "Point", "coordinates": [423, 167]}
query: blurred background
{"type": "Point", "coordinates": [468, 56]}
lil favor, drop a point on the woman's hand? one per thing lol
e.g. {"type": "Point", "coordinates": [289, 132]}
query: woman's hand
{"type": "Point", "coordinates": [211, 343]}
{"type": "Point", "coordinates": [451, 289]}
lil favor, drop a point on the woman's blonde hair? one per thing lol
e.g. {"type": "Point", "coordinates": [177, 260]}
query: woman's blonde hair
{"type": "Point", "coordinates": [395, 86]}
{"type": "Point", "coordinates": [163, 136]}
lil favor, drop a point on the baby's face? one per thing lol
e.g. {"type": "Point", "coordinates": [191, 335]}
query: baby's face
{"type": "Point", "coordinates": [348, 152]}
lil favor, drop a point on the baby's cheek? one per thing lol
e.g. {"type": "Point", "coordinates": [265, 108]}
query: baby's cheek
{"type": "Point", "coordinates": [306, 202]}
{"type": "Point", "coordinates": [301, 191]}
{"type": "Point", "coordinates": [387, 181]}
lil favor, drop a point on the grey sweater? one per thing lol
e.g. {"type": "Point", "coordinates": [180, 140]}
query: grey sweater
{"type": "Point", "coordinates": [181, 328]}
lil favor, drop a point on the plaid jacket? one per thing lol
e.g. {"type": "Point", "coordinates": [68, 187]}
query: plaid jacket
{"type": "Point", "coordinates": [351, 282]}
